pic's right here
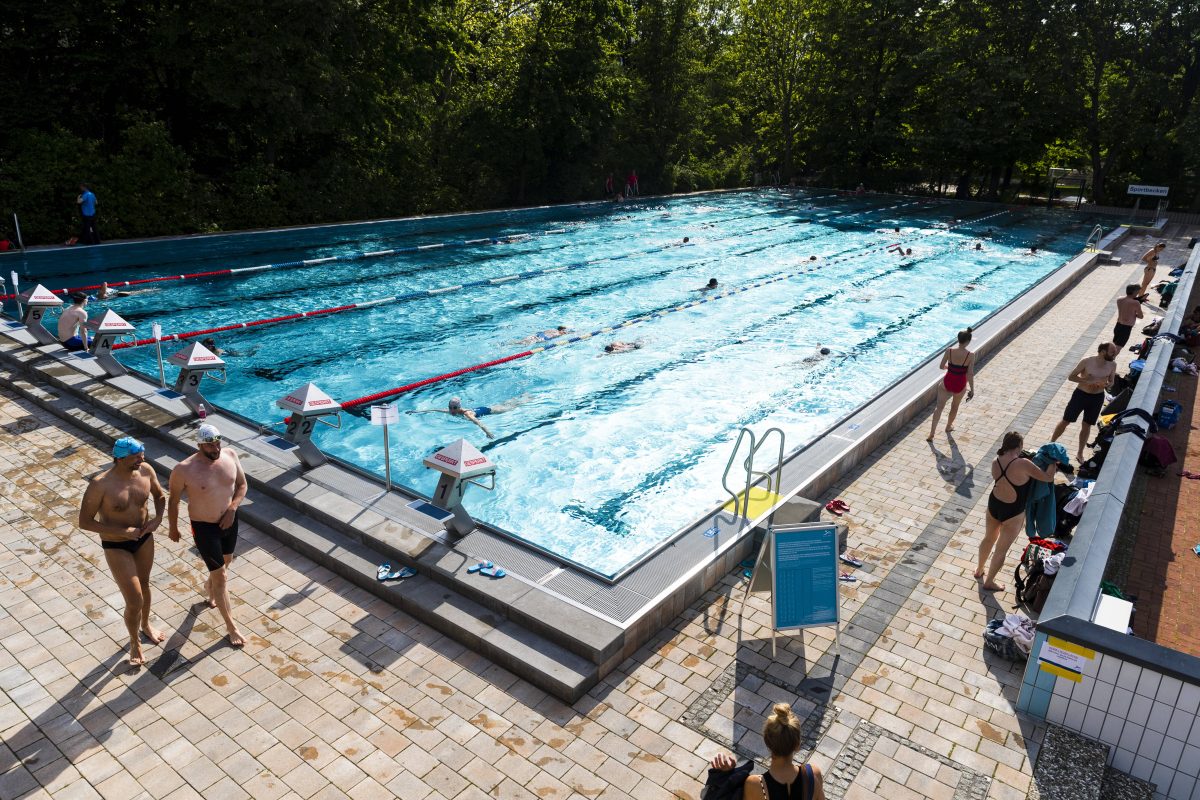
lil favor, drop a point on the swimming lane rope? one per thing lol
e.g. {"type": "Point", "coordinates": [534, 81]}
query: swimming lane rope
{"type": "Point", "coordinates": [569, 340]}
{"type": "Point", "coordinates": [425, 293]}
{"type": "Point", "coordinates": [348, 257]}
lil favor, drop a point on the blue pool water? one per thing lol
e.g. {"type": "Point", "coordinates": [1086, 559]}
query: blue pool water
{"type": "Point", "coordinates": [606, 456]}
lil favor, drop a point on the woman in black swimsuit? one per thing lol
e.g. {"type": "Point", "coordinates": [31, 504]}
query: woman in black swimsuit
{"type": "Point", "coordinates": [1013, 474]}
{"type": "Point", "coordinates": [784, 779]}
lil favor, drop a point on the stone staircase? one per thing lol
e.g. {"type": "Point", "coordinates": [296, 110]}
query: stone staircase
{"type": "Point", "coordinates": [1073, 767]}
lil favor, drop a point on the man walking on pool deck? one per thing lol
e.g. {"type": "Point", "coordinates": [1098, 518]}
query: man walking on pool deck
{"type": "Point", "coordinates": [114, 506]}
{"type": "Point", "coordinates": [1129, 311]}
{"type": "Point", "coordinates": [215, 486]}
{"type": "Point", "coordinates": [1094, 374]}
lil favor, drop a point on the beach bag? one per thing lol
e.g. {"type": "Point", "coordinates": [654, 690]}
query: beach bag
{"type": "Point", "coordinates": [1000, 644]}
{"type": "Point", "coordinates": [1030, 580]}
{"type": "Point", "coordinates": [1157, 455]}
{"type": "Point", "coordinates": [726, 784]}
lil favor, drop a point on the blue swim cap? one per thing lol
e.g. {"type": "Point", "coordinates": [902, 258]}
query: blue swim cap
{"type": "Point", "coordinates": [127, 446]}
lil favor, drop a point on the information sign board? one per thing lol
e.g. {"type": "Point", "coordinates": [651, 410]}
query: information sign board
{"type": "Point", "coordinates": [805, 575]}
{"type": "Point", "coordinates": [1148, 191]}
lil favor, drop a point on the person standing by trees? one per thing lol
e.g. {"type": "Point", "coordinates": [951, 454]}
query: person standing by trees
{"type": "Point", "coordinates": [631, 184]}
{"type": "Point", "coordinates": [608, 186]}
{"type": "Point", "coordinates": [87, 214]}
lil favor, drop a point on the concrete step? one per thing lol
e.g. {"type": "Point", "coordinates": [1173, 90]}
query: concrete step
{"type": "Point", "coordinates": [1068, 765]}
{"type": "Point", "coordinates": [534, 658]}
{"type": "Point", "coordinates": [427, 597]}
{"type": "Point", "coordinates": [1119, 786]}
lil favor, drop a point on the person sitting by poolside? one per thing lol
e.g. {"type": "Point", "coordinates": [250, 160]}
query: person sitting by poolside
{"type": "Point", "coordinates": [71, 332]}
{"type": "Point", "coordinates": [712, 284]}
{"type": "Point", "coordinates": [622, 347]}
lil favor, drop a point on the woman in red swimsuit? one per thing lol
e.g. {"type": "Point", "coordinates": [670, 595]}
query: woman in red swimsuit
{"type": "Point", "coordinates": [959, 363]}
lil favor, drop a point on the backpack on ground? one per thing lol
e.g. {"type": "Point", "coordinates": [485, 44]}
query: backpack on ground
{"type": "Point", "coordinates": [1030, 581]}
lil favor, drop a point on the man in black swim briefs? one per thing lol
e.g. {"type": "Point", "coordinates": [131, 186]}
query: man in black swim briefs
{"type": "Point", "coordinates": [1093, 374]}
{"type": "Point", "coordinates": [114, 506]}
{"type": "Point", "coordinates": [215, 485]}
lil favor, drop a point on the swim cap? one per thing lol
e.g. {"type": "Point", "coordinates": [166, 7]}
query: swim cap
{"type": "Point", "coordinates": [127, 446]}
{"type": "Point", "coordinates": [207, 434]}
{"type": "Point", "coordinates": [824, 351]}
{"type": "Point", "coordinates": [455, 403]}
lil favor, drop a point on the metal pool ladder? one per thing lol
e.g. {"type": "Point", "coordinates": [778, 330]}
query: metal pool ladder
{"type": "Point", "coordinates": [1093, 240]}
{"type": "Point", "coordinates": [774, 476]}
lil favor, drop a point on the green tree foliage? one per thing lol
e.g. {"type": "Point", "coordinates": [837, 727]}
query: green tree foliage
{"type": "Point", "coordinates": [221, 114]}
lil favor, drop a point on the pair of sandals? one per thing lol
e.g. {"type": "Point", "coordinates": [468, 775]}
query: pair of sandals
{"type": "Point", "coordinates": [837, 507]}
{"type": "Point", "coordinates": [487, 568]}
{"type": "Point", "coordinates": [386, 573]}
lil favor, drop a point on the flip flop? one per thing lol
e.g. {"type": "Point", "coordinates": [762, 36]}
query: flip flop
{"type": "Point", "coordinates": [400, 574]}
{"type": "Point", "coordinates": [854, 562]}
{"type": "Point", "coordinates": [846, 577]}
{"type": "Point", "coordinates": [1192, 476]}
{"type": "Point", "coordinates": [832, 509]}
{"type": "Point", "coordinates": [492, 571]}
{"type": "Point", "coordinates": [385, 569]}
{"type": "Point", "coordinates": [480, 566]}
{"type": "Point", "coordinates": [842, 504]}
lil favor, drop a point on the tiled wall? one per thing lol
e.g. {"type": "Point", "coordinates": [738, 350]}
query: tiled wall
{"type": "Point", "coordinates": [1148, 720]}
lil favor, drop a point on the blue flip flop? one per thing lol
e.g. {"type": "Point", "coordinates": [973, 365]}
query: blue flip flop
{"type": "Point", "coordinates": [482, 565]}
{"type": "Point", "coordinates": [385, 569]}
{"type": "Point", "coordinates": [846, 577]}
{"type": "Point", "coordinates": [492, 571]}
{"type": "Point", "coordinates": [854, 562]}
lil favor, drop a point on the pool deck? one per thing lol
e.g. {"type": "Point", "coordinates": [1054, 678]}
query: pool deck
{"type": "Point", "coordinates": [339, 693]}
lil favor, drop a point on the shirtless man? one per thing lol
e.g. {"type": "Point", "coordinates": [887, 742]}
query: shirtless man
{"type": "Point", "coordinates": [1150, 266]}
{"type": "Point", "coordinates": [622, 347]}
{"type": "Point", "coordinates": [1094, 374]}
{"type": "Point", "coordinates": [70, 323]}
{"type": "Point", "coordinates": [712, 284]}
{"type": "Point", "coordinates": [215, 486]}
{"type": "Point", "coordinates": [1129, 311]}
{"type": "Point", "coordinates": [114, 506]}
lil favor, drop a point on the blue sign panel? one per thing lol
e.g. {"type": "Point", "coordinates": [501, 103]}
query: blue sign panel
{"type": "Point", "coordinates": [806, 575]}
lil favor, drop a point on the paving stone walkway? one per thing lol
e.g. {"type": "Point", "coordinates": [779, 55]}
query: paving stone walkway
{"type": "Point", "coordinates": [337, 694]}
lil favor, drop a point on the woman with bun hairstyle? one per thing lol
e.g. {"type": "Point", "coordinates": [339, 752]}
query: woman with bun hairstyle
{"type": "Point", "coordinates": [959, 363]}
{"type": "Point", "coordinates": [1014, 475]}
{"type": "Point", "coordinates": [784, 779]}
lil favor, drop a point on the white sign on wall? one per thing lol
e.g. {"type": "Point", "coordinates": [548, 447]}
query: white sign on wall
{"type": "Point", "coordinates": [1148, 191]}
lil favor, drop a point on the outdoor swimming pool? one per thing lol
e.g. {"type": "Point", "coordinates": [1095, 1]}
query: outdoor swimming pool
{"type": "Point", "coordinates": [604, 457]}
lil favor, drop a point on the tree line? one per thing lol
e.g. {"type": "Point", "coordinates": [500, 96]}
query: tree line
{"type": "Point", "coordinates": [227, 114]}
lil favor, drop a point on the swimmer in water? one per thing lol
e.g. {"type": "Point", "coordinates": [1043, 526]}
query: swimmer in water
{"type": "Point", "coordinates": [107, 293]}
{"type": "Point", "coordinates": [455, 409]}
{"type": "Point", "coordinates": [622, 347]}
{"type": "Point", "coordinates": [545, 336]}
{"type": "Point", "coordinates": [817, 356]}
{"type": "Point", "coordinates": [979, 245]}
{"type": "Point", "coordinates": [712, 284]}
